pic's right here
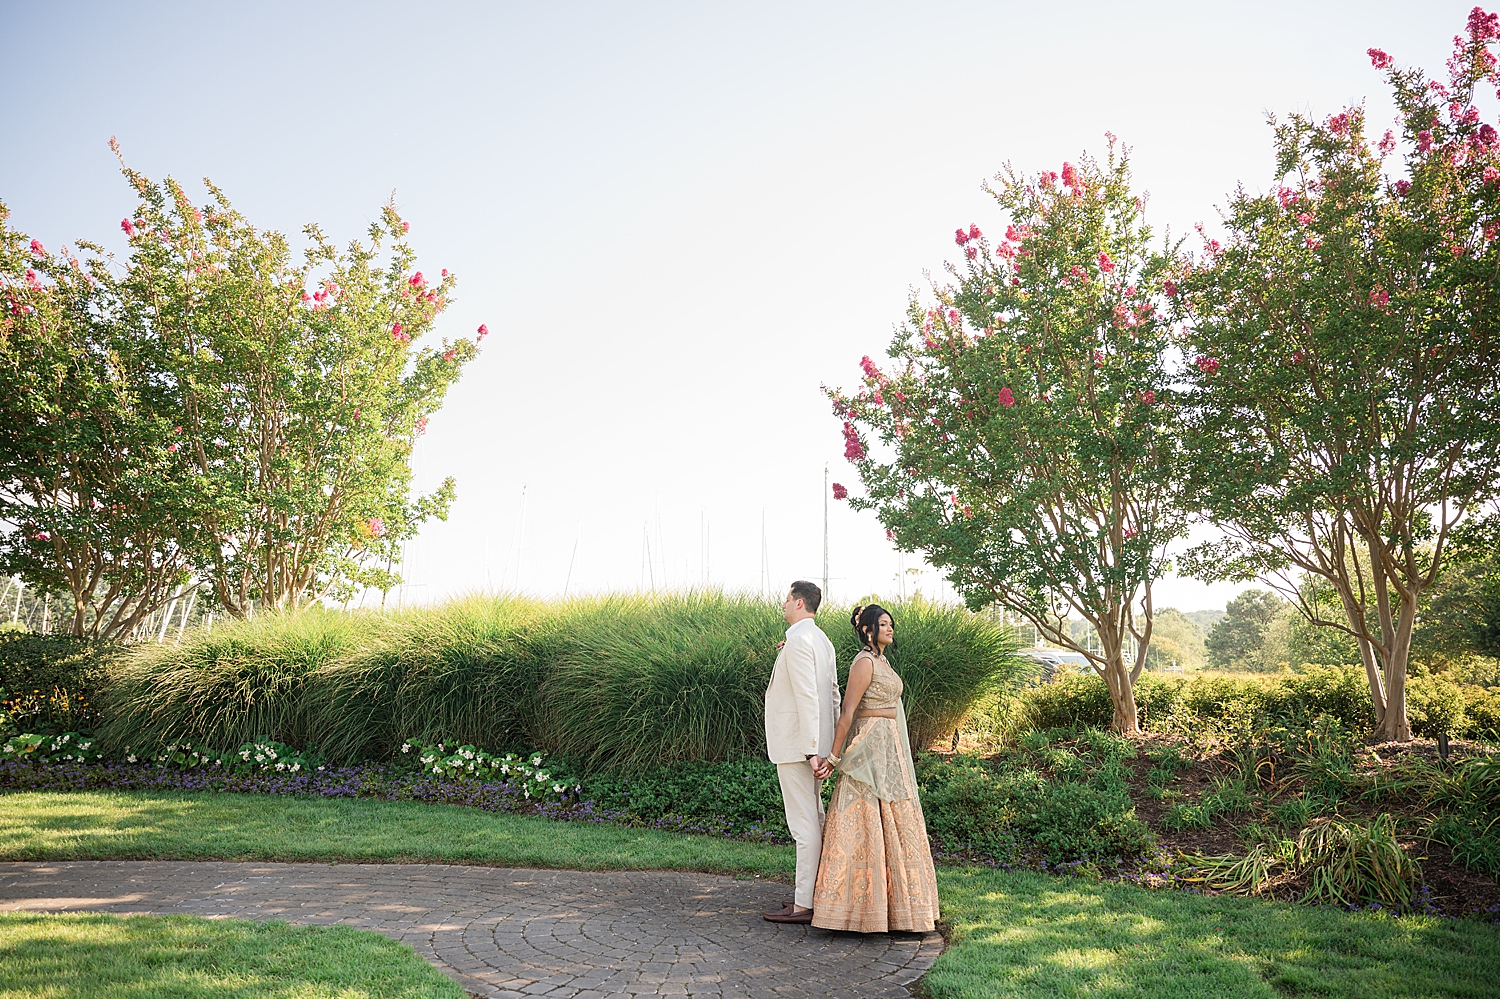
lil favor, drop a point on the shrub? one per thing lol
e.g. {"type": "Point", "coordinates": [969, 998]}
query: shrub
{"type": "Point", "coordinates": [1339, 692]}
{"type": "Point", "coordinates": [52, 683]}
{"type": "Point", "coordinates": [247, 681]}
{"type": "Point", "coordinates": [610, 682]}
{"type": "Point", "coordinates": [746, 793]}
{"type": "Point", "coordinates": [1001, 807]}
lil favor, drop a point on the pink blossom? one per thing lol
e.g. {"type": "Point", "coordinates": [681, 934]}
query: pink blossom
{"type": "Point", "coordinates": [1069, 175]}
{"type": "Point", "coordinates": [406, 227]}
{"type": "Point", "coordinates": [968, 514]}
{"type": "Point", "coordinates": [1387, 142]}
{"type": "Point", "coordinates": [376, 526]}
{"type": "Point", "coordinates": [421, 425]}
{"type": "Point", "coordinates": [1207, 365]}
{"type": "Point", "coordinates": [1379, 59]}
{"type": "Point", "coordinates": [1006, 398]}
{"type": "Point", "coordinates": [1078, 273]}
{"type": "Point", "coordinates": [448, 355]}
{"type": "Point", "coordinates": [890, 535]}
{"type": "Point", "coordinates": [1170, 287]}
{"type": "Point", "coordinates": [953, 316]}
{"type": "Point", "coordinates": [306, 297]}
{"type": "Point", "coordinates": [1487, 134]}
{"type": "Point", "coordinates": [1379, 297]}
{"type": "Point", "coordinates": [960, 237]}
{"type": "Point", "coordinates": [1483, 27]}
{"type": "Point", "coordinates": [853, 449]}
{"type": "Point", "coordinates": [176, 430]}
{"type": "Point", "coordinates": [877, 398]}
{"type": "Point", "coordinates": [868, 367]}
{"type": "Point", "coordinates": [971, 252]}
{"type": "Point", "coordinates": [839, 492]}
{"type": "Point", "coordinates": [1491, 174]}
{"type": "Point", "coordinates": [172, 446]}
{"type": "Point", "coordinates": [356, 413]}
{"type": "Point", "coordinates": [36, 248]}
{"type": "Point", "coordinates": [1148, 397]}
{"type": "Point", "coordinates": [1402, 187]}
{"type": "Point", "coordinates": [1424, 140]}
{"type": "Point", "coordinates": [398, 335]}
{"type": "Point", "coordinates": [416, 280]}
{"type": "Point", "coordinates": [1105, 264]}
{"type": "Point", "coordinates": [1339, 124]}
{"type": "Point", "coordinates": [125, 226]}
{"type": "Point", "coordinates": [1491, 230]}
{"type": "Point", "coordinates": [1313, 243]}
{"type": "Point", "coordinates": [42, 536]}
{"type": "Point", "coordinates": [1304, 219]}
{"type": "Point", "coordinates": [974, 232]}
{"type": "Point", "coordinates": [1015, 235]}
{"type": "Point", "coordinates": [483, 331]}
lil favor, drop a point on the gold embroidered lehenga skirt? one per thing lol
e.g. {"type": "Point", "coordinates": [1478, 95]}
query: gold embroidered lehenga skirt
{"type": "Point", "coordinates": [876, 870]}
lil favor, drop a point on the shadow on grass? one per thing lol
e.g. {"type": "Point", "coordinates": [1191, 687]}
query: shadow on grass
{"type": "Point", "coordinates": [154, 957]}
{"type": "Point", "coordinates": [1029, 935]}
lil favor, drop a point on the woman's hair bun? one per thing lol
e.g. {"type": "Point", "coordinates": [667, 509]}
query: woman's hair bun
{"type": "Point", "coordinates": [854, 617]}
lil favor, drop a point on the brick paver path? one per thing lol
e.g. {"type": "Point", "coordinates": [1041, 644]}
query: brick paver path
{"type": "Point", "coordinates": [505, 932]}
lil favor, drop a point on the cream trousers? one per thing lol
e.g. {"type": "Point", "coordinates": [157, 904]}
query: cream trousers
{"type": "Point", "coordinates": [804, 818]}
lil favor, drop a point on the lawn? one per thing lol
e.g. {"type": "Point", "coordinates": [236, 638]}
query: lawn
{"type": "Point", "coordinates": [95, 825]}
{"type": "Point", "coordinates": [1012, 934]}
{"type": "Point", "coordinates": [175, 957]}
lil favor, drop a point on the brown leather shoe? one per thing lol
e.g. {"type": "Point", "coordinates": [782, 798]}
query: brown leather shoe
{"type": "Point", "coordinates": [788, 915]}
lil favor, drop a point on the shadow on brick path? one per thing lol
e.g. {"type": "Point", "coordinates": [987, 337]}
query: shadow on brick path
{"type": "Point", "coordinates": [514, 933]}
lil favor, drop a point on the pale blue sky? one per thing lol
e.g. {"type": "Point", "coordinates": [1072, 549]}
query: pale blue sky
{"type": "Point", "coordinates": [677, 219]}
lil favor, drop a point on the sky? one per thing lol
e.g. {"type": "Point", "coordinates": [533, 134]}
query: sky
{"type": "Point", "coordinates": [679, 221]}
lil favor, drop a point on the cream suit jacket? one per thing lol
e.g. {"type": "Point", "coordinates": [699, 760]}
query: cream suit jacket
{"type": "Point", "coordinates": [802, 699]}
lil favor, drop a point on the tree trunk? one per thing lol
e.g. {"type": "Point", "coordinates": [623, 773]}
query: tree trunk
{"type": "Point", "coordinates": [1395, 727]}
{"type": "Point", "coordinates": [1122, 696]}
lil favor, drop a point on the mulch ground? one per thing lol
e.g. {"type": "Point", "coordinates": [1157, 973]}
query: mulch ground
{"type": "Point", "coordinates": [1454, 889]}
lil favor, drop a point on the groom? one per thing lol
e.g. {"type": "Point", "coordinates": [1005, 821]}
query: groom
{"type": "Point", "coordinates": [802, 702]}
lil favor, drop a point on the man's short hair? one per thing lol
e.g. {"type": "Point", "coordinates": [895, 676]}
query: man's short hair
{"type": "Point", "coordinates": [808, 593]}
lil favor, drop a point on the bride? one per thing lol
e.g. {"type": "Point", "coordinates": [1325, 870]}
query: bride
{"type": "Point", "coordinates": [876, 872]}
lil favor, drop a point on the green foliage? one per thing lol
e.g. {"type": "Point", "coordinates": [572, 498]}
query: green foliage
{"type": "Point", "coordinates": [1236, 638]}
{"type": "Point", "coordinates": [538, 779]}
{"type": "Point", "coordinates": [1064, 802]}
{"type": "Point", "coordinates": [301, 390]}
{"type": "Point", "coordinates": [1229, 796]}
{"type": "Point", "coordinates": [611, 682]}
{"type": "Point", "coordinates": [746, 794]}
{"type": "Point", "coordinates": [1344, 413]}
{"type": "Point", "coordinates": [51, 683]}
{"type": "Point", "coordinates": [67, 747]}
{"type": "Point", "coordinates": [214, 409]}
{"type": "Point", "coordinates": [91, 499]}
{"type": "Point", "coordinates": [1030, 443]}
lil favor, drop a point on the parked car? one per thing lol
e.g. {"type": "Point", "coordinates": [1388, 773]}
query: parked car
{"type": "Point", "coordinates": [1048, 659]}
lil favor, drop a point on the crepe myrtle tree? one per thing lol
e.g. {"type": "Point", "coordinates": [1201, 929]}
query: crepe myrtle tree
{"type": "Point", "coordinates": [302, 388]}
{"type": "Point", "coordinates": [92, 497]}
{"type": "Point", "coordinates": [1344, 411]}
{"type": "Point", "coordinates": [1024, 439]}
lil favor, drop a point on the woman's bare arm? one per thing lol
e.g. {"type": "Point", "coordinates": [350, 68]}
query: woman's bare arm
{"type": "Point", "coordinates": [861, 671]}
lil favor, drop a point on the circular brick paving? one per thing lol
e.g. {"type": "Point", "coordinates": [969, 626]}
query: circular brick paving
{"type": "Point", "coordinates": [504, 932]}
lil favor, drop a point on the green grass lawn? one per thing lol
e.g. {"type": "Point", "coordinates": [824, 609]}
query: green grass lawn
{"type": "Point", "coordinates": [62, 956]}
{"type": "Point", "coordinates": [1034, 935]}
{"type": "Point", "coordinates": [1011, 934]}
{"type": "Point", "coordinates": [185, 826]}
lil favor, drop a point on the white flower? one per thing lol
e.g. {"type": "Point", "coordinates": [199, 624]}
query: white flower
{"type": "Point", "coordinates": [320, 768]}
{"type": "Point", "coordinates": [259, 758]}
{"type": "Point", "coordinates": [437, 770]}
{"type": "Point", "coordinates": [406, 747]}
{"type": "Point", "coordinates": [281, 766]}
{"type": "Point", "coordinates": [296, 766]}
{"type": "Point", "coordinates": [130, 758]}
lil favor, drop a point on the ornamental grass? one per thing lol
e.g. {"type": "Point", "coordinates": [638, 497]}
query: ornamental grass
{"type": "Point", "coordinates": [605, 682]}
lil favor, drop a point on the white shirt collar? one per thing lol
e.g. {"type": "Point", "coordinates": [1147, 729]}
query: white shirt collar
{"type": "Point", "coordinates": [806, 620]}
